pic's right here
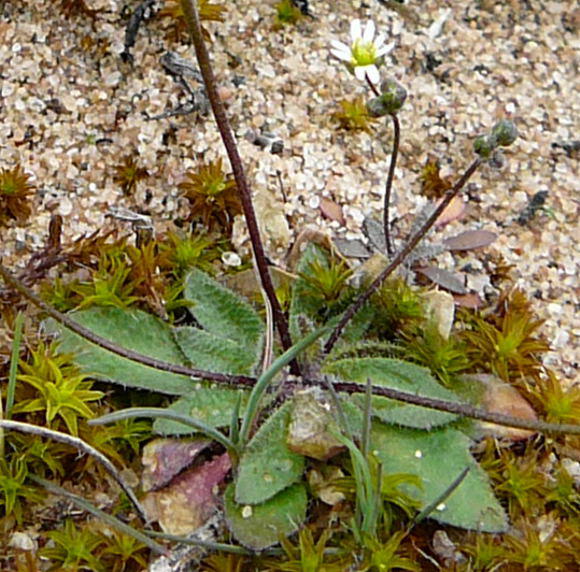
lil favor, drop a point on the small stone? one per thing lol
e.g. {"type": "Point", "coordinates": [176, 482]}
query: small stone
{"type": "Point", "coordinates": [22, 541]}
{"type": "Point", "coordinates": [232, 259]}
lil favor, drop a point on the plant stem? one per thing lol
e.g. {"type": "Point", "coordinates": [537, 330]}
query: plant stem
{"type": "Point", "coordinates": [244, 381]}
{"type": "Point", "coordinates": [191, 15]}
{"type": "Point", "coordinates": [372, 86]}
{"type": "Point", "coordinates": [389, 183]}
{"type": "Point", "coordinates": [100, 514]}
{"type": "Point", "coordinates": [83, 447]}
{"type": "Point", "coordinates": [90, 336]}
{"type": "Point", "coordinates": [461, 409]}
{"type": "Point", "coordinates": [400, 257]}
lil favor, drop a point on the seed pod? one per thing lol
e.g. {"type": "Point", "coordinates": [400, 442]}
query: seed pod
{"type": "Point", "coordinates": [485, 145]}
{"type": "Point", "coordinates": [392, 98]}
{"type": "Point", "coordinates": [505, 132]}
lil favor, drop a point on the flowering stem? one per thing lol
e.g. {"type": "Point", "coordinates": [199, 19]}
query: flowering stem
{"type": "Point", "coordinates": [389, 183]}
{"type": "Point", "coordinates": [401, 255]}
{"type": "Point", "coordinates": [192, 19]}
{"type": "Point", "coordinates": [372, 86]}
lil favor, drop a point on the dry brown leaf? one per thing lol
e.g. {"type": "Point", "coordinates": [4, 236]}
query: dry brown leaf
{"type": "Point", "coordinates": [440, 307]}
{"type": "Point", "coordinates": [470, 300]}
{"type": "Point", "coordinates": [331, 210]}
{"type": "Point", "coordinates": [499, 397]}
{"type": "Point", "coordinates": [447, 280]}
{"type": "Point", "coordinates": [308, 432]}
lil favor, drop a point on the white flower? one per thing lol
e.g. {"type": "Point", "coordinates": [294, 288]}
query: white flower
{"type": "Point", "coordinates": [364, 52]}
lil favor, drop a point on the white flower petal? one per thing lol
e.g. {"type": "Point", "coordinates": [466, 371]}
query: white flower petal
{"type": "Point", "coordinates": [385, 49]}
{"type": "Point", "coordinates": [360, 72]}
{"type": "Point", "coordinates": [380, 40]}
{"type": "Point", "coordinates": [369, 32]}
{"type": "Point", "coordinates": [372, 72]}
{"type": "Point", "coordinates": [342, 55]}
{"type": "Point", "coordinates": [355, 30]}
{"type": "Point", "coordinates": [339, 45]}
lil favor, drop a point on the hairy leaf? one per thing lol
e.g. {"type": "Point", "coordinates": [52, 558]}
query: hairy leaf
{"type": "Point", "coordinates": [267, 465]}
{"type": "Point", "coordinates": [400, 375]}
{"type": "Point", "coordinates": [260, 526]}
{"type": "Point", "coordinates": [222, 312]}
{"type": "Point", "coordinates": [211, 405]}
{"type": "Point", "coordinates": [132, 329]}
{"type": "Point", "coordinates": [215, 353]}
{"type": "Point", "coordinates": [438, 457]}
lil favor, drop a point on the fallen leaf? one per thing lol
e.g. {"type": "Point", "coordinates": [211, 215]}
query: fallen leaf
{"type": "Point", "coordinates": [470, 300]}
{"type": "Point", "coordinates": [331, 210]}
{"type": "Point", "coordinates": [454, 211]}
{"type": "Point", "coordinates": [352, 248]}
{"type": "Point", "coordinates": [374, 231]}
{"type": "Point", "coordinates": [323, 484]}
{"type": "Point", "coordinates": [447, 280]}
{"type": "Point", "coordinates": [445, 548]}
{"type": "Point", "coordinates": [470, 240]}
{"type": "Point", "coordinates": [163, 459]}
{"type": "Point", "coordinates": [500, 397]}
{"type": "Point", "coordinates": [308, 431]}
{"type": "Point", "coordinates": [246, 282]}
{"type": "Point", "coordinates": [189, 501]}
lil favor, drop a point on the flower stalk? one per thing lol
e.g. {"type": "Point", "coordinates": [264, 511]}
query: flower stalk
{"type": "Point", "coordinates": [389, 183]}
{"type": "Point", "coordinates": [192, 19]}
{"type": "Point", "coordinates": [400, 257]}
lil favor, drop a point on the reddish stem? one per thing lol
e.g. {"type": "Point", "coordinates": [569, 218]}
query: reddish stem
{"type": "Point", "coordinates": [406, 250]}
{"type": "Point", "coordinates": [191, 15]}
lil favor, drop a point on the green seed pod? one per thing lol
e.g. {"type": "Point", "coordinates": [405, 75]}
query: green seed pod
{"type": "Point", "coordinates": [485, 145]}
{"type": "Point", "coordinates": [505, 132]}
{"type": "Point", "coordinates": [392, 98]}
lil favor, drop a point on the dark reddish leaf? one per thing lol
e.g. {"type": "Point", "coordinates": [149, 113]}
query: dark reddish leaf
{"type": "Point", "coordinates": [331, 210]}
{"type": "Point", "coordinates": [187, 503]}
{"type": "Point", "coordinates": [470, 300]}
{"type": "Point", "coordinates": [163, 459]}
{"type": "Point", "coordinates": [470, 239]}
{"type": "Point", "coordinates": [447, 280]}
{"type": "Point", "coordinates": [454, 211]}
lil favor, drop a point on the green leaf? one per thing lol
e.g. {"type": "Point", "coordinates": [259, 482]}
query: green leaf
{"type": "Point", "coordinates": [211, 405]}
{"type": "Point", "coordinates": [214, 353]}
{"type": "Point", "coordinates": [400, 375]}
{"type": "Point", "coordinates": [438, 457]}
{"type": "Point", "coordinates": [267, 465]}
{"type": "Point", "coordinates": [222, 312]}
{"type": "Point", "coordinates": [131, 329]}
{"type": "Point", "coordinates": [260, 526]}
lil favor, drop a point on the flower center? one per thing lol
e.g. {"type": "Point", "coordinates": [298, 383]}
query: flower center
{"type": "Point", "coordinates": [363, 53]}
